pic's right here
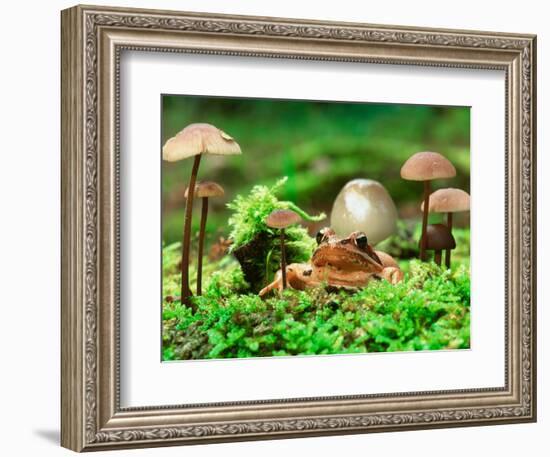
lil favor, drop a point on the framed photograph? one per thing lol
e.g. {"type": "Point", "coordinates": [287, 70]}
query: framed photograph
{"type": "Point", "coordinates": [282, 228]}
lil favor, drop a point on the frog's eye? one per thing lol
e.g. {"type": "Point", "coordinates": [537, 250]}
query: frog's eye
{"type": "Point", "coordinates": [320, 237]}
{"type": "Point", "coordinates": [324, 234]}
{"type": "Point", "coordinates": [361, 241]}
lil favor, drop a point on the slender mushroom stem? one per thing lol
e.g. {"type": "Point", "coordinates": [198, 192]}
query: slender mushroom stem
{"type": "Point", "coordinates": [204, 214]}
{"type": "Point", "coordinates": [437, 257]}
{"type": "Point", "coordinates": [185, 290]}
{"type": "Point", "coordinates": [448, 251]}
{"type": "Point", "coordinates": [283, 258]}
{"type": "Point", "coordinates": [425, 212]}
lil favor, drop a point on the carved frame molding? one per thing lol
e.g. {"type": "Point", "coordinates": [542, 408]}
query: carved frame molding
{"type": "Point", "coordinates": [92, 41]}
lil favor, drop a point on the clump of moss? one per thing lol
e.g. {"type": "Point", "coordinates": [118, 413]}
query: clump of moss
{"type": "Point", "coordinates": [429, 310]}
{"type": "Point", "coordinates": [255, 245]}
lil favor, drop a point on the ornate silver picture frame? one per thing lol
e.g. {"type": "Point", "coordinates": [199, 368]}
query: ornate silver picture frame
{"type": "Point", "coordinates": [93, 40]}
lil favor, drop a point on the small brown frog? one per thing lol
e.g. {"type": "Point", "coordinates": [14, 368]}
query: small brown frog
{"type": "Point", "coordinates": [339, 262]}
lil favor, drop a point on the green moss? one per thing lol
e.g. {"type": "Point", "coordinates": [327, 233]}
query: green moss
{"type": "Point", "coordinates": [255, 245]}
{"type": "Point", "coordinates": [429, 310]}
{"type": "Point", "coordinates": [250, 212]}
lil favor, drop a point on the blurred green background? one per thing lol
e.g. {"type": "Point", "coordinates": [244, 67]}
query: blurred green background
{"type": "Point", "coordinates": [318, 145]}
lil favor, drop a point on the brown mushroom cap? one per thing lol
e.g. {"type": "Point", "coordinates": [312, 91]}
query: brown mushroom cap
{"type": "Point", "coordinates": [425, 166]}
{"type": "Point", "coordinates": [206, 189]}
{"type": "Point", "coordinates": [439, 238]}
{"type": "Point", "coordinates": [199, 139]}
{"type": "Point", "coordinates": [282, 218]}
{"type": "Point", "coordinates": [448, 200]}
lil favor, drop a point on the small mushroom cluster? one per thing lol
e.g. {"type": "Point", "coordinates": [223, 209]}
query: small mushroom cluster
{"type": "Point", "coordinates": [196, 140]}
{"type": "Point", "coordinates": [448, 201]}
{"type": "Point", "coordinates": [428, 166]}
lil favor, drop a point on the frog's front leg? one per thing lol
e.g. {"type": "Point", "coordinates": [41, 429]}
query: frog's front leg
{"type": "Point", "coordinates": [391, 274]}
{"type": "Point", "coordinates": [390, 271]}
{"type": "Point", "coordinates": [276, 284]}
{"type": "Point", "coordinates": [298, 276]}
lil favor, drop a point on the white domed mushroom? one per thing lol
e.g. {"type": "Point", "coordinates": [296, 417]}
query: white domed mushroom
{"type": "Point", "coordinates": [364, 205]}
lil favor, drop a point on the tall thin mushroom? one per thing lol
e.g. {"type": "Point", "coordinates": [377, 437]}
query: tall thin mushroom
{"type": "Point", "coordinates": [194, 141]}
{"type": "Point", "coordinates": [448, 201]}
{"type": "Point", "coordinates": [426, 166]}
{"type": "Point", "coordinates": [281, 219]}
{"type": "Point", "coordinates": [204, 190]}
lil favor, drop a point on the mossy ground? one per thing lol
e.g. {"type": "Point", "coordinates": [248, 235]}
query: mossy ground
{"type": "Point", "coordinates": [429, 310]}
